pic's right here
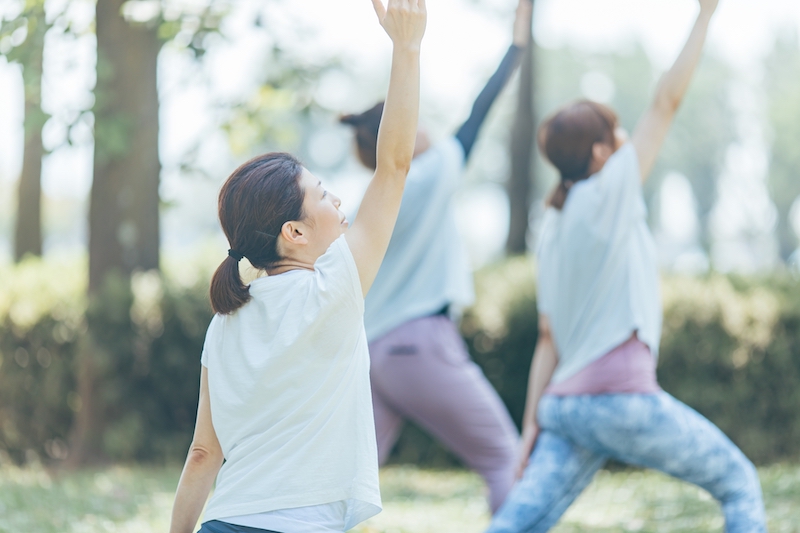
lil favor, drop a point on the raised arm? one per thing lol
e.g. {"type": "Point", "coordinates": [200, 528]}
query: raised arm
{"type": "Point", "coordinates": [368, 238]}
{"type": "Point", "coordinates": [202, 466]}
{"type": "Point", "coordinates": [652, 128]}
{"type": "Point", "coordinates": [545, 360]}
{"type": "Point", "coordinates": [468, 132]}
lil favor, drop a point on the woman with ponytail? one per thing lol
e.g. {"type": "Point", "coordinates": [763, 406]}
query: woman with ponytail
{"type": "Point", "coordinates": [592, 391]}
{"type": "Point", "coordinates": [285, 420]}
{"type": "Point", "coordinates": [421, 369]}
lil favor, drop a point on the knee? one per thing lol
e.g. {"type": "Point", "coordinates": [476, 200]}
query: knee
{"type": "Point", "coordinates": [743, 481]}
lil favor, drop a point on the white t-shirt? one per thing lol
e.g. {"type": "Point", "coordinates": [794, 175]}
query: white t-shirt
{"type": "Point", "coordinates": [598, 273]}
{"type": "Point", "coordinates": [426, 266]}
{"type": "Point", "coordinates": [288, 377]}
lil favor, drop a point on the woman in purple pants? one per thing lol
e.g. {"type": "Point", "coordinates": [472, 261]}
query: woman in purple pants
{"type": "Point", "coordinates": [421, 369]}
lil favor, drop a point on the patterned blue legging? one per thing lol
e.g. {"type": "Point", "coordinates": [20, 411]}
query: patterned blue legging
{"type": "Point", "coordinates": [579, 433]}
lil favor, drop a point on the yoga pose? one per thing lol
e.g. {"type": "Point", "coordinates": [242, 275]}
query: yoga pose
{"type": "Point", "coordinates": [421, 369]}
{"type": "Point", "coordinates": [592, 391]}
{"type": "Point", "coordinates": [284, 396]}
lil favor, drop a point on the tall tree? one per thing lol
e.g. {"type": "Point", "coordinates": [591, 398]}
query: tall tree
{"type": "Point", "coordinates": [123, 212]}
{"type": "Point", "coordinates": [29, 54]}
{"type": "Point", "coordinates": [124, 199]}
{"type": "Point", "coordinates": [123, 208]}
{"type": "Point", "coordinates": [783, 109]}
{"type": "Point", "coordinates": [520, 182]}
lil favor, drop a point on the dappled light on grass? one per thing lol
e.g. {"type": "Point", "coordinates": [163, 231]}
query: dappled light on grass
{"type": "Point", "coordinates": [115, 500]}
{"type": "Point", "coordinates": [128, 499]}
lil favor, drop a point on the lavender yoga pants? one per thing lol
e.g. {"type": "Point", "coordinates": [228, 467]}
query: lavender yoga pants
{"type": "Point", "coordinates": [421, 371]}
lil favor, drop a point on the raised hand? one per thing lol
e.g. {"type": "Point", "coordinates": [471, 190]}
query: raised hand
{"type": "Point", "coordinates": [522, 23]}
{"type": "Point", "coordinates": [403, 20]}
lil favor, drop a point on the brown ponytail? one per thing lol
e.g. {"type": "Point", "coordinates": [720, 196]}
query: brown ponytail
{"type": "Point", "coordinates": [254, 203]}
{"type": "Point", "coordinates": [566, 140]}
{"type": "Point", "coordinates": [366, 125]}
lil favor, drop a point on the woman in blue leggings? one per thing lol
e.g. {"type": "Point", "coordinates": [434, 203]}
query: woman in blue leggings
{"type": "Point", "coordinates": [592, 391]}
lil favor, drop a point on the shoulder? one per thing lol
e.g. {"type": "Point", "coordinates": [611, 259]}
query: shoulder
{"type": "Point", "coordinates": [547, 229]}
{"type": "Point", "coordinates": [452, 149]}
{"type": "Point", "coordinates": [336, 272]}
{"type": "Point", "coordinates": [446, 151]}
{"type": "Point", "coordinates": [624, 163]}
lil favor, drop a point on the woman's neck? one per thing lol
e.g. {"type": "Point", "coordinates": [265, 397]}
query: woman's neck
{"type": "Point", "coordinates": [288, 265]}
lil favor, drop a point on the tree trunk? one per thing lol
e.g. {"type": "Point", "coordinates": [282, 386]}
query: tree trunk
{"type": "Point", "coordinates": [124, 203]}
{"type": "Point", "coordinates": [123, 213]}
{"type": "Point", "coordinates": [28, 228]}
{"type": "Point", "coordinates": [520, 182]}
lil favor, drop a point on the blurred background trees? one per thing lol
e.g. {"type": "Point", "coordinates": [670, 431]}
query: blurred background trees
{"type": "Point", "coordinates": [25, 33]}
{"type": "Point", "coordinates": [519, 186]}
{"type": "Point", "coordinates": [782, 87]}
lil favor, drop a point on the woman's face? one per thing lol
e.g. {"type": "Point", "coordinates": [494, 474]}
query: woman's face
{"type": "Point", "coordinates": [323, 222]}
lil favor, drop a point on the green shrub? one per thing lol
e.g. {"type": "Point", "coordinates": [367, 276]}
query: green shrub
{"type": "Point", "coordinates": [730, 350]}
{"type": "Point", "coordinates": [145, 345]}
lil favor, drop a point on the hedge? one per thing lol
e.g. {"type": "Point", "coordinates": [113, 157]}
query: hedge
{"type": "Point", "coordinates": [729, 349]}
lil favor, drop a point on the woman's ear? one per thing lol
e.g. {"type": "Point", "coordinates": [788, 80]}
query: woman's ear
{"type": "Point", "coordinates": [600, 154]}
{"type": "Point", "coordinates": [294, 233]}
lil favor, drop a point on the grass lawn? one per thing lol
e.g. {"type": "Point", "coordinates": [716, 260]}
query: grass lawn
{"type": "Point", "coordinates": [138, 499]}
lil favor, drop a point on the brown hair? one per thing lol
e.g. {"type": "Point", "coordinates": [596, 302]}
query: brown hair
{"type": "Point", "coordinates": [566, 140]}
{"type": "Point", "coordinates": [254, 203]}
{"type": "Point", "coordinates": [366, 125]}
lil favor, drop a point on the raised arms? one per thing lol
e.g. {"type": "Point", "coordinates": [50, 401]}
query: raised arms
{"type": "Point", "coordinates": [368, 238]}
{"type": "Point", "coordinates": [468, 132]}
{"type": "Point", "coordinates": [652, 128]}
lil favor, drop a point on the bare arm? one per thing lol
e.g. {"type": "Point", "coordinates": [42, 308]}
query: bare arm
{"type": "Point", "coordinates": [545, 359]}
{"type": "Point", "coordinates": [368, 238]}
{"type": "Point", "coordinates": [652, 128]}
{"type": "Point", "coordinates": [202, 465]}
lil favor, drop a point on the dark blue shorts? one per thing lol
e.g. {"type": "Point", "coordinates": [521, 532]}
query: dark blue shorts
{"type": "Point", "coordinates": [216, 526]}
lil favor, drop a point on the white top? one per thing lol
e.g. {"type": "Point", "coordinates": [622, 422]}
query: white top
{"type": "Point", "coordinates": [426, 266]}
{"type": "Point", "coordinates": [325, 518]}
{"type": "Point", "coordinates": [288, 377]}
{"type": "Point", "coordinates": [598, 275]}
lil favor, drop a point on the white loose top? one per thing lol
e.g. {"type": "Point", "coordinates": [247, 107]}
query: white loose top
{"type": "Point", "coordinates": [598, 274]}
{"type": "Point", "coordinates": [288, 377]}
{"type": "Point", "coordinates": [426, 267]}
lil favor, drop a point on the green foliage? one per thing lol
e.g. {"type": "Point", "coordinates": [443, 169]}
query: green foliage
{"type": "Point", "coordinates": [728, 350]}
{"type": "Point", "coordinates": [145, 345]}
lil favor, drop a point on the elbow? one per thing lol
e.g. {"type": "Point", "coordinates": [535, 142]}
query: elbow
{"type": "Point", "coordinates": [397, 168]}
{"type": "Point", "coordinates": [667, 103]}
{"type": "Point", "coordinates": [202, 457]}
{"type": "Point", "coordinates": [402, 168]}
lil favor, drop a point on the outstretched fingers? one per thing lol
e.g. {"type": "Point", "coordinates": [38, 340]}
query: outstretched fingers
{"type": "Point", "coordinates": [379, 9]}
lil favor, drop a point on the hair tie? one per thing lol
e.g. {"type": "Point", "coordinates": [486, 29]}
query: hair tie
{"type": "Point", "coordinates": [236, 255]}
